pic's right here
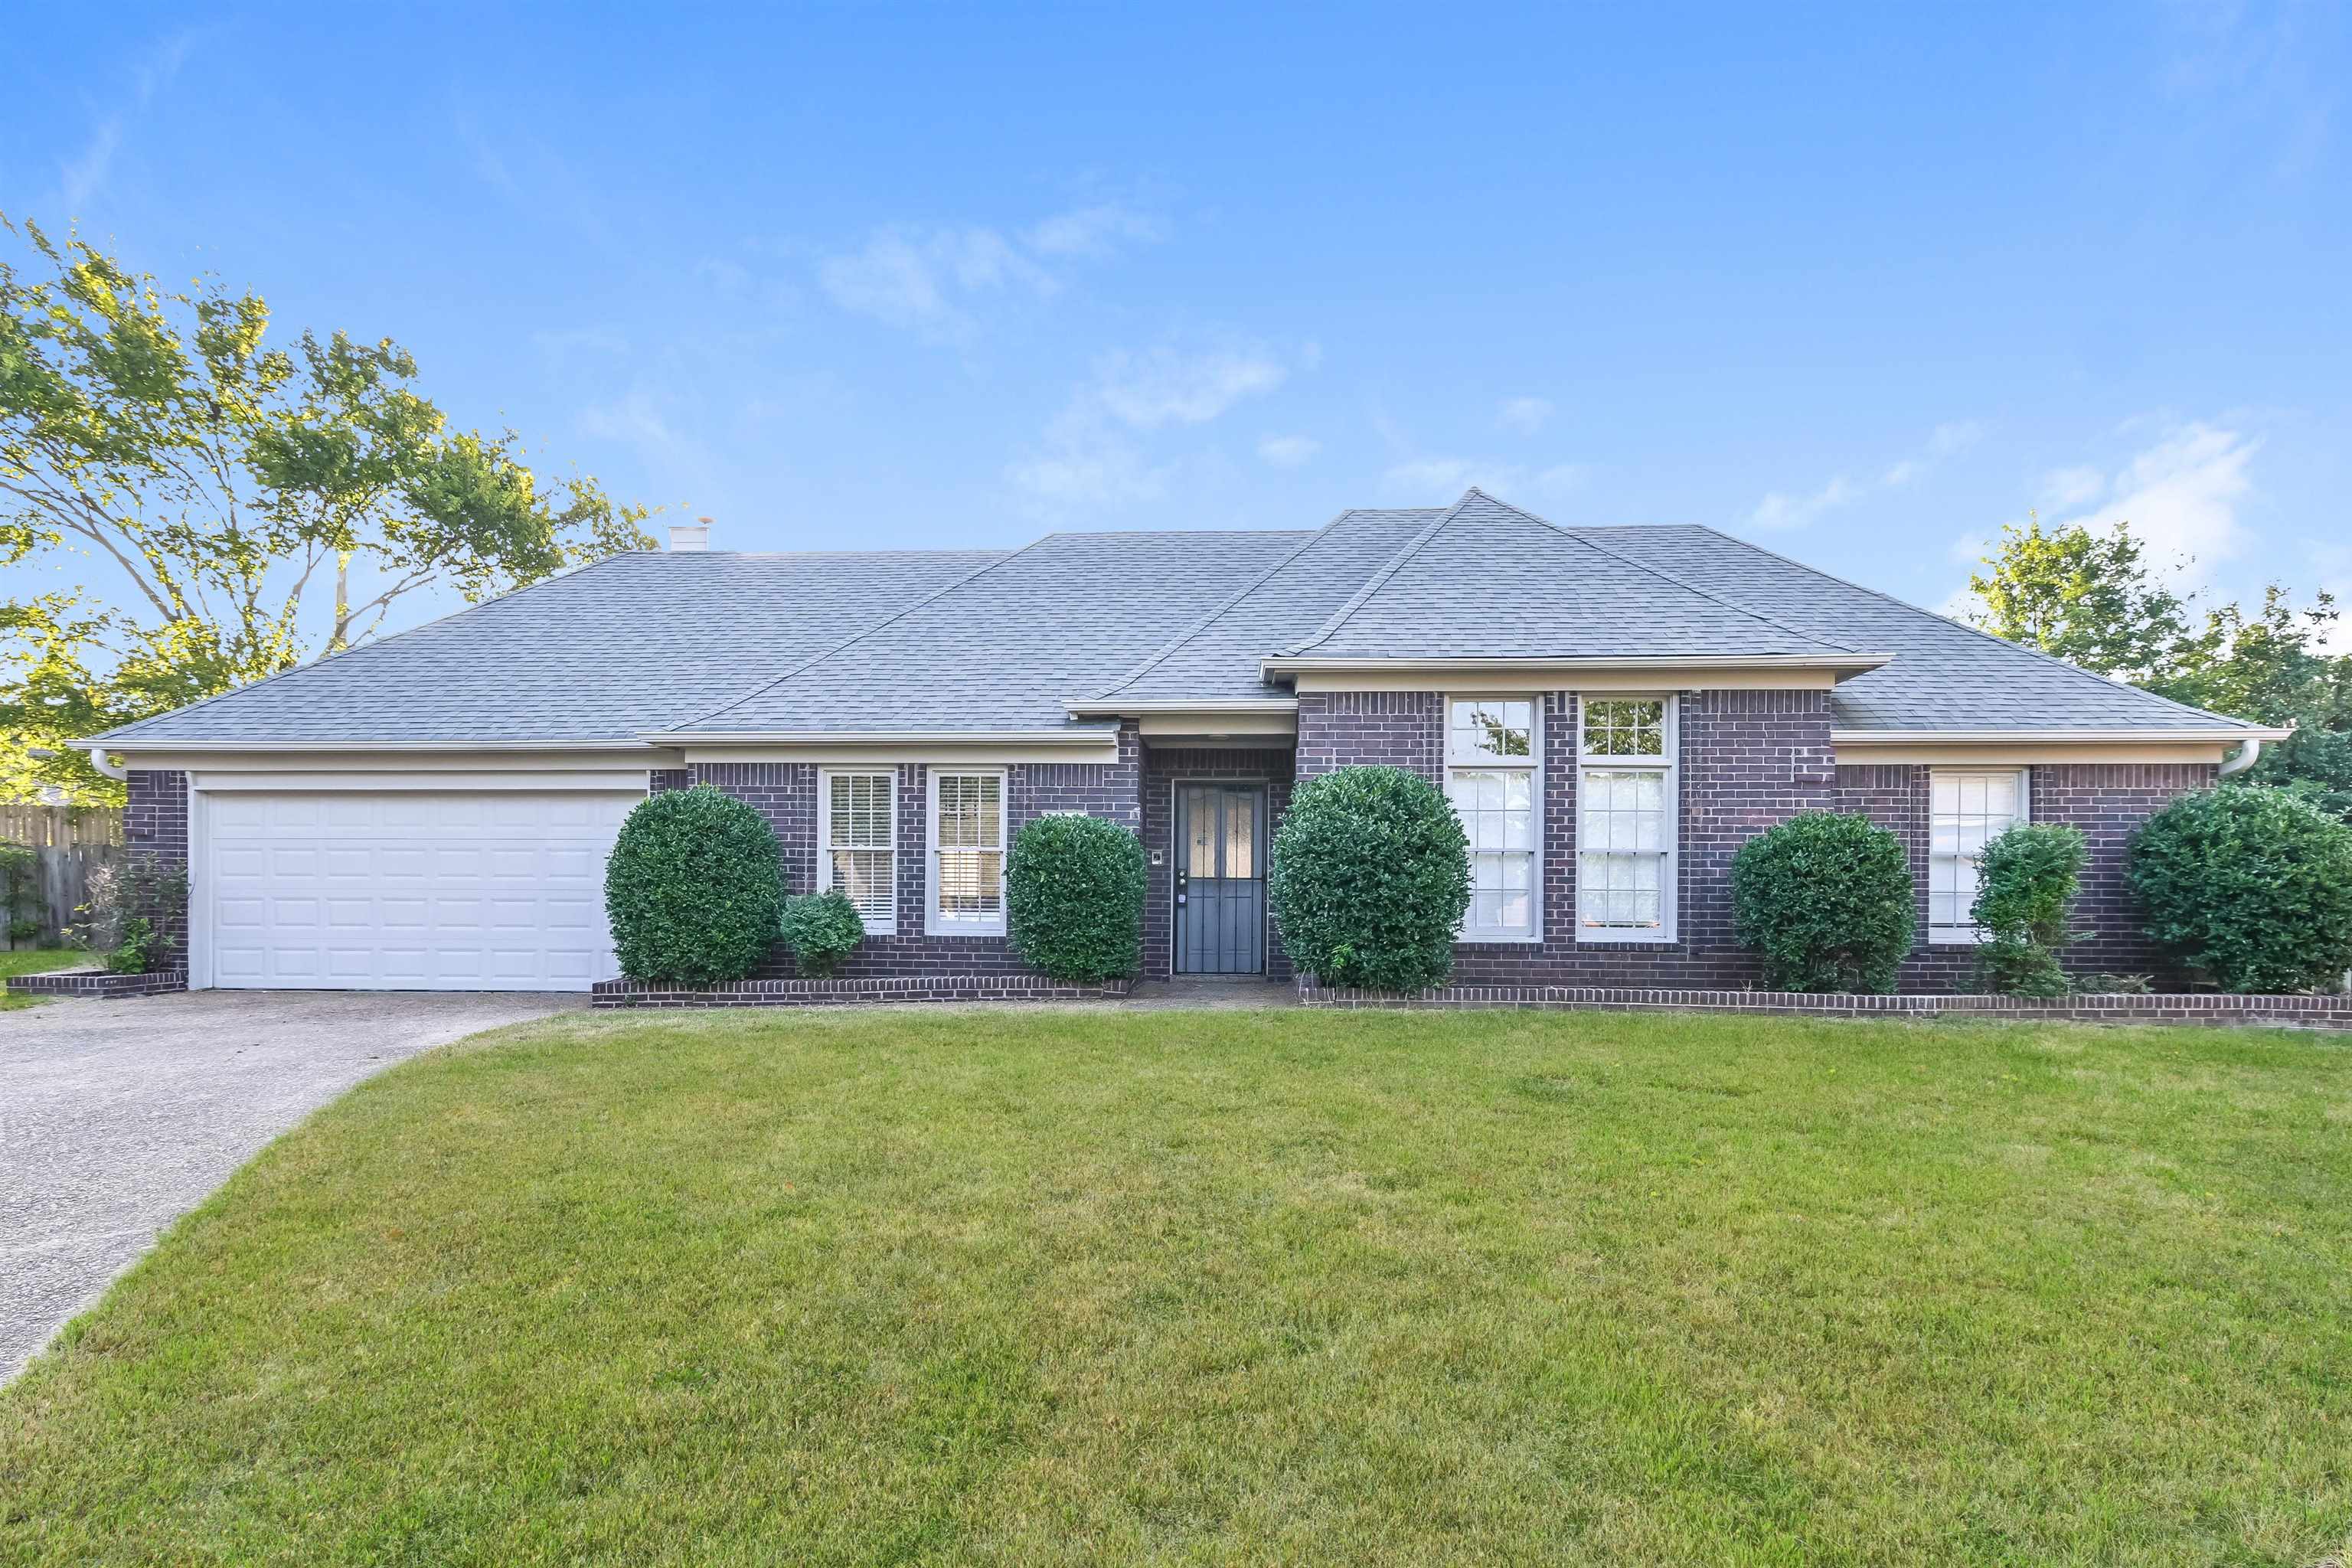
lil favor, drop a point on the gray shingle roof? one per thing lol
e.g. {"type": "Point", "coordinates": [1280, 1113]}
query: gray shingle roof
{"type": "Point", "coordinates": [1485, 580]}
{"type": "Point", "coordinates": [1010, 647]}
{"type": "Point", "coordinates": [604, 653]}
{"type": "Point", "coordinates": [978, 640]}
{"type": "Point", "coordinates": [1944, 675]}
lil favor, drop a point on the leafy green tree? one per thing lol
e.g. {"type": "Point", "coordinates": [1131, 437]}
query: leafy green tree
{"type": "Point", "coordinates": [2270, 666]}
{"type": "Point", "coordinates": [225, 484]}
{"type": "Point", "coordinates": [2086, 597]}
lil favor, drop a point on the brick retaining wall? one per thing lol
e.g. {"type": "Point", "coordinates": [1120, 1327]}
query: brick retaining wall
{"type": "Point", "coordinates": [98, 983]}
{"type": "Point", "coordinates": [841, 991]}
{"type": "Point", "coordinates": [2184, 1007]}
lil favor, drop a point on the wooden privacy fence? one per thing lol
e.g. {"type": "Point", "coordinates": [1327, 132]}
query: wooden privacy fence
{"type": "Point", "coordinates": [69, 846]}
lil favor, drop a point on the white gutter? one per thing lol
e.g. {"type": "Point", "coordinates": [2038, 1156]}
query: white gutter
{"type": "Point", "coordinates": [1271, 667]}
{"type": "Point", "coordinates": [2244, 760]}
{"type": "Point", "coordinates": [394, 747]}
{"type": "Point", "coordinates": [1111, 708]}
{"type": "Point", "coordinates": [98, 759]}
{"type": "Point", "coordinates": [880, 737]}
{"type": "Point", "coordinates": [2121, 735]}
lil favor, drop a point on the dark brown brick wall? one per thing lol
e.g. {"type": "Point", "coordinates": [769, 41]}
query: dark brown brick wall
{"type": "Point", "coordinates": [2106, 801]}
{"type": "Point", "coordinates": [1749, 760]}
{"type": "Point", "coordinates": [155, 830]}
{"type": "Point", "coordinates": [785, 793]}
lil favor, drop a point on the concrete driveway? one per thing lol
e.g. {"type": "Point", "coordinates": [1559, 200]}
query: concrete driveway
{"type": "Point", "coordinates": [116, 1117]}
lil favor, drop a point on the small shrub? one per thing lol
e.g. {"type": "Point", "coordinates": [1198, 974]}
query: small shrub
{"type": "Point", "coordinates": [2253, 886]}
{"type": "Point", "coordinates": [822, 930]}
{"type": "Point", "coordinates": [695, 889]}
{"type": "Point", "coordinates": [2026, 877]}
{"type": "Point", "coordinates": [1827, 899]}
{"type": "Point", "coordinates": [1074, 898]}
{"type": "Point", "coordinates": [1371, 878]}
{"type": "Point", "coordinates": [136, 912]}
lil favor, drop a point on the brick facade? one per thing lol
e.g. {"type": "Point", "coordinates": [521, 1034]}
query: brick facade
{"type": "Point", "coordinates": [1748, 760]}
{"type": "Point", "coordinates": [785, 794]}
{"type": "Point", "coordinates": [155, 831]}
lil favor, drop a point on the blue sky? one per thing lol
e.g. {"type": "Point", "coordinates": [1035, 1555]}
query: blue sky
{"type": "Point", "coordinates": [1860, 284]}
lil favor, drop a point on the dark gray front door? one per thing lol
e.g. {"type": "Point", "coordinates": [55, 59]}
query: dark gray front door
{"type": "Point", "coordinates": [1220, 879]}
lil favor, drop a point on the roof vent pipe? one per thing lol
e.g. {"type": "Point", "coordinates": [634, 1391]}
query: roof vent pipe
{"type": "Point", "coordinates": [689, 538]}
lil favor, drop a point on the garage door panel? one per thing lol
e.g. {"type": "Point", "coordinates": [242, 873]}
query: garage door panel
{"type": "Point", "coordinates": [410, 890]}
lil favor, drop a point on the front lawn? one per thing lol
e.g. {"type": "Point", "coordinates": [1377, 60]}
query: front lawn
{"type": "Point", "coordinates": [1082, 1286]}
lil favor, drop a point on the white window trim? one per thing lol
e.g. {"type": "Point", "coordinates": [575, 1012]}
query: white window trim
{"type": "Point", "coordinates": [934, 922]}
{"type": "Point", "coordinates": [1669, 875]}
{"type": "Point", "coordinates": [825, 777]}
{"type": "Point", "coordinates": [1970, 935]}
{"type": "Point", "coordinates": [1532, 765]}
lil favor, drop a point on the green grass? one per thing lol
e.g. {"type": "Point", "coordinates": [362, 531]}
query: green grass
{"type": "Point", "coordinates": [1079, 1287]}
{"type": "Point", "coordinates": [35, 961]}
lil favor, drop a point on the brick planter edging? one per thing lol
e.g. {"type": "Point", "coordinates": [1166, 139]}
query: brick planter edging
{"type": "Point", "coordinates": [99, 983]}
{"type": "Point", "coordinates": [841, 992]}
{"type": "Point", "coordinates": [2187, 1008]}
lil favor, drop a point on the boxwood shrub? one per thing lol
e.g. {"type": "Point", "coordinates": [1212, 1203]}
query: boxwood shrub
{"type": "Point", "coordinates": [1371, 878]}
{"type": "Point", "coordinates": [2253, 886]}
{"type": "Point", "coordinates": [2027, 876]}
{"type": "Point", "coordinates": [1074, 898]}
{"type": "Point", "coordinates": [695, 889]}
{"type": "Point", "coordinates": [822, 930]}
{"type": "Point", "coordinates": [1826, 898]}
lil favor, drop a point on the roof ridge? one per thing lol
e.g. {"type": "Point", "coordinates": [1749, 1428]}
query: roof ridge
{"type": "Point", "coordinates": [1206, 621]}
{"type": "Point", "coordinates": [1963, 626]}
{"type": "Point", "coordinates": [1566, 533]}
{"type": "Point", "coordinates": [860, 635]}
{"type": "Point", "coordinates": [578, 570]}
{"type": "Point", "coordinates": [1338, 618]}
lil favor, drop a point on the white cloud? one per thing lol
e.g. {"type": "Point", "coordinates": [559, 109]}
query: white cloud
{"type": "Point", "coordinates": [1169, 387]}
{"type": "Point", "coordinates": [2071, 486]}
{"type": "Point", "coordinates": [1970, 548]}
{"type": "Point", "coordinates": [1525, 415]}
{"type": "Point", "coordinates": [1096, 230]}
{"type": "Point", "coordinates": [2182, 495]}
{"type": "Point", "coordinates": [1288, 451]}
{"type": "Point", "coordinates": [1086, 462]}
{"type": "Point", "coordinates": [85, 175]}
{"type": "Point", "coordinates": [922, 281]}
{"type": "Point", "coordinates": [1954, 437]}
{"type": "Point", "coordinates": [1780, 510]}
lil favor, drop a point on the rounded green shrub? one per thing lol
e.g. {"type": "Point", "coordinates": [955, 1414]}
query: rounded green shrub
{"type": "Point", "coordinates": [2253, 886]}
{"type": "Point", "coordinates": [822, 930]}
{"type": "Point", "coordinates": [2027, 876]}
{"type": "Point", "coordinates": [695, 889]}
{"type": "Point", "coordinates": [1371, 878]}
{"type": "Point", "coordinates": [1827, 899]}
{"type": "Point", "coordinates": [1074, 898]}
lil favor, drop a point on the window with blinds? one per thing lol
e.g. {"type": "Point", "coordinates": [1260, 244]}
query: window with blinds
{"type": "Point", "coordinates": [1966, 812]}
{"type": "Point", "coordinates": [967, 853]}
{"type": "Point", "coordinates": [1625, 809]}
{"type": "Point", "coordinates": [858, 832]}
{"type": "Point", "coordinates": [1490, 777]}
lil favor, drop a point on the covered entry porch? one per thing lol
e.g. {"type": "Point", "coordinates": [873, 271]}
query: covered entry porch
{"type": "Point", "coordinates": [1210, 814]}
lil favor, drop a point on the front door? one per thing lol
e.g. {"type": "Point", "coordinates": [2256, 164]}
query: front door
{"type": "Point", "coordinates": [1220, 879]}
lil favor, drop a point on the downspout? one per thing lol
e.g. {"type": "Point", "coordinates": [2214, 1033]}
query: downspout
{"type": "Point", "coordinates": [98, 759]}
{"type": "Point", "coordinates": [2242, 760]}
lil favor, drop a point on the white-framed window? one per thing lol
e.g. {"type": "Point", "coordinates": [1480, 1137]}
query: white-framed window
{"type": "Point", "coordinates": [966, 882]}
{"type": "Point", "coordinates": [1626, 805]}
{"type": "Point", "coordinates": [1491, 776]}
{"type": "Point", "coordinates": [1964, 811]}
{"type": "Point", "coordinates": [857, 842]}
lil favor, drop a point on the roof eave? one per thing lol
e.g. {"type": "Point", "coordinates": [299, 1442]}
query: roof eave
{"type": "Point", "coordinates": [2135, 734]}
{"type": "Point", "coordinates": [161, 743]}
{"type": "Point", "coordinates": [1113, 708]}
{"type": "Point", "coordinates": [1281, 664]}
{"type": "Point", "coordinates": [1063, 737]}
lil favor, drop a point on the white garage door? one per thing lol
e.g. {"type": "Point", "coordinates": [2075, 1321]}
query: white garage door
{"type": "Point", "coordinates": [488, 890]}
